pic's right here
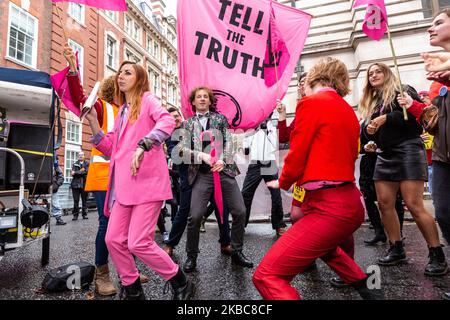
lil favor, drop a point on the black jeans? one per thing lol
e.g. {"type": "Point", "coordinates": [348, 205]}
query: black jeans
{"type": "Point", "coordinates": [441, 196]}
{"type": "Point", "coordinates": [180, 220]}
{"type": "Point", "coordinates": [202, 191]}
{"type": "Point", "coordinates": [251, 183]}
{"type": "Point", "coordinates": [76, 192]}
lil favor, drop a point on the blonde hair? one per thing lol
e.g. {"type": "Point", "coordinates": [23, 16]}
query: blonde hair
{"type": "Point", "coordinates": [372, 96]}
{"type": "Point", "coordinates": [330, 72]}
{"type": "Point", "coordinates": [142, 85]}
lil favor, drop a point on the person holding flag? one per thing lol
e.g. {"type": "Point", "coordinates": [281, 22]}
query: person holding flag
{"type": "Point", "coordinates": [201, 171]}
{"type": "Point", "coordinates": [137, 162]}
{"type": "Point", "coordinates": [402, 164]}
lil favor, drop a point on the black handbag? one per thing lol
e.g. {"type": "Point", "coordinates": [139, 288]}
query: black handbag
{"type": "Point", "coordinates": [77, 275]}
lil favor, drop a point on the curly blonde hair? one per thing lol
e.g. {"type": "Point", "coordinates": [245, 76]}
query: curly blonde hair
{"type": "Point", "coordinates": [107, 89]}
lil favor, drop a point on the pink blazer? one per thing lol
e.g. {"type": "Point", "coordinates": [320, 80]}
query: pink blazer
{"type": "Point", "coordinates": [152, 182]}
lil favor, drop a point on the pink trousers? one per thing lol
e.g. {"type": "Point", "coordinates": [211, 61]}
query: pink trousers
{"type": "Point", "coordinates": [131, 231]}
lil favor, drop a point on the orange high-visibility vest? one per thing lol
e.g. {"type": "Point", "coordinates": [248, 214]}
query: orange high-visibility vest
{"type": "Point", "coordinates": [98, 174]}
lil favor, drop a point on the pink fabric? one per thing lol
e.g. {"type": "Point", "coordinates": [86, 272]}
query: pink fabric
{"type": "Point", "coordinates": [131, 231]}
{"type": "Point", "coordinates": [234, 68]}
{"type": "Point", "coordinates": [315, 185]}
{"type": "Point", "coordinates": [114, 5]}
{"type": "Point", "coordinates": [277, 55]}
{"type": "Point", "coordinates": [215, 154]}
{"type": "Point", "coordinates": [376, 18]}
{"type": "Point", "coordinates": [153, 173]}
{"type": "Point", "coordinates": [60, 84]}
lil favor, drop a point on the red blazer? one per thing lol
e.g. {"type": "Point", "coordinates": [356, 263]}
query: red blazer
{"type": "Point", "coordinates": [324, 142]}
{"type": "Point", "coordinates": [284, 132]}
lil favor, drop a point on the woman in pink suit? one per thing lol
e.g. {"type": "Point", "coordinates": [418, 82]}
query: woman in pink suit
{"type": "Point", "coordinates": [138, 183]}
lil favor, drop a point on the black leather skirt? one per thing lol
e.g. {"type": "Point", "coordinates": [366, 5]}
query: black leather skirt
{"type": "Point", "coordinates": [405, 161]}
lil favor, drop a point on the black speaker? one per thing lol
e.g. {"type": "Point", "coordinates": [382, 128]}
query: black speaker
{"type": "Point", "coordinates": [2, 166]}
{"type": "Point", "coordinates": [30, 141]}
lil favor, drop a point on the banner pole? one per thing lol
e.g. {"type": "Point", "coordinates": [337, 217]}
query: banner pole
{"type": "Point", "coordinates": [60, 21]}
{"type": "Point", "coordinates": [405, 115]}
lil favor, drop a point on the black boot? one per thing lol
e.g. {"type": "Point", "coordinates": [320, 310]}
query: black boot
{"type": "Point", "coordinates": [380, 236]}
{"type": "Point", "coordinates": [182, 288]}
{"type": "Point", "coordinates": [396, 254]}
{"type": "Point", "coordinates": [437, 266]}
{"type": "Point", "coordinates": [237, 257]}
{"type": "Point", "coordinates": [365, 292]}
{"type": "Point", "coordinates": [133, 291]}
{"type": "Point", "coordinates": [190, 264]}
{"type": "Point", "coordinates": [337, 282]}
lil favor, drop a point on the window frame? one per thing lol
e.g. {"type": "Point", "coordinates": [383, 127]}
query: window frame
{"type": "Point", "coordinates": [73, 44]}
{"type": "Point", "coordinates": [68, 168]}
{"type": "Point", "coordinates": [115, 52]}
{"type": "Point", "coordinates": [83, 12]}
{"type": "Point", "coordinates": [80, 133]}
{"type": "Point", "coordinates": [35, 39]}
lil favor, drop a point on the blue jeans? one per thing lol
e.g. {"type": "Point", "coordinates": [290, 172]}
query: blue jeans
{"type": "Point", "coordinates": [441, 196]}
{"type": "Point", "coordinates": [101, 251]}
{"type": "Point", "coordinates": [430, 180]}
{"type": "Point", "coordinates": [56, 207]}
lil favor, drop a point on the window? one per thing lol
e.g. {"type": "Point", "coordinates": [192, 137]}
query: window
{"type": "Point", "coordinates": [76, 11]}
{"type": "Point", "coordinates": [22, 44]}
{"type": "Point", "coordinates": [149, 45]}
{"type": "Point", "coordinates": [70, 157]}
{"type": "Point", "coordinates": [155, 82]}
{"type": "Point", "coordinates": [156, 50]}
{"type": "Point", "coordinates": [111, 47]}
{"type": "Point", "coordinates": [78, 48]}
{"type": "Point", "coordinates": [431, 7]}
{"type": "Point", "coordinates": [130, 56]}
{"type": "Point", "coordinates": [128, 24]}
{"type": "Point", "coordinates": [73, 132]}
{"type": "Point", "coordinates": [73, 146]}
{"type": "Point", "coordinates": [172, 94]}
{"type": "Point", "coordinates": [137, 32]}
{"type": "Point", "coordinates": [111, 14]}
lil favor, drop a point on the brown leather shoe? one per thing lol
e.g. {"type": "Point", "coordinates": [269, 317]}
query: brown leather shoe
{"type": "Point", "coordinates": [168, 249]}
{"type": "Point", "coordinates": [281, 231]}
{"type": "Point", "coordinates": [226, 250]}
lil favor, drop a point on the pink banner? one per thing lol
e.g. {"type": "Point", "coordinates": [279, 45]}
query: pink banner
{"type": "Point", "coordinates": [375, 20]}
{"type": "Point", "coordinates": [224, 45]}
{"type": "Point", "coordinates": [61, 87]}
{"type": "Point", "coordinates": [114, 5]}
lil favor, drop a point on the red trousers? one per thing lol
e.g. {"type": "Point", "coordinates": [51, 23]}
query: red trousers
{"type": "Point", "coordinates": [331, 216]}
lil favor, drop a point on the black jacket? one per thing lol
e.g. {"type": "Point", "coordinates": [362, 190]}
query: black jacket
{"type": "Point", "coordinates": [79, 175]}
{"type": "Point", "coordinates": [396, 129]}
{"type": "Point", "coordinates": [58, 179]}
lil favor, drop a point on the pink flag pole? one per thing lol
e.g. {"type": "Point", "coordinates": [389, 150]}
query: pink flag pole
{"type": "Point", "coordinates": [377, 8]}
{"type": "Point", "coordinates": [216, 175]}
{"type": "Point", "coordinates": [405, 115]}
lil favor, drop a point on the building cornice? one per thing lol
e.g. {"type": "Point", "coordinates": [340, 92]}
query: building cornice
{"type": "Point", "coordinates": [150, 26]}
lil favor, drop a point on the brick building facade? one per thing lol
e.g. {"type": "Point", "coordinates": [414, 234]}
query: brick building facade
{"type": "Point", "coordinates": [32, 38]}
